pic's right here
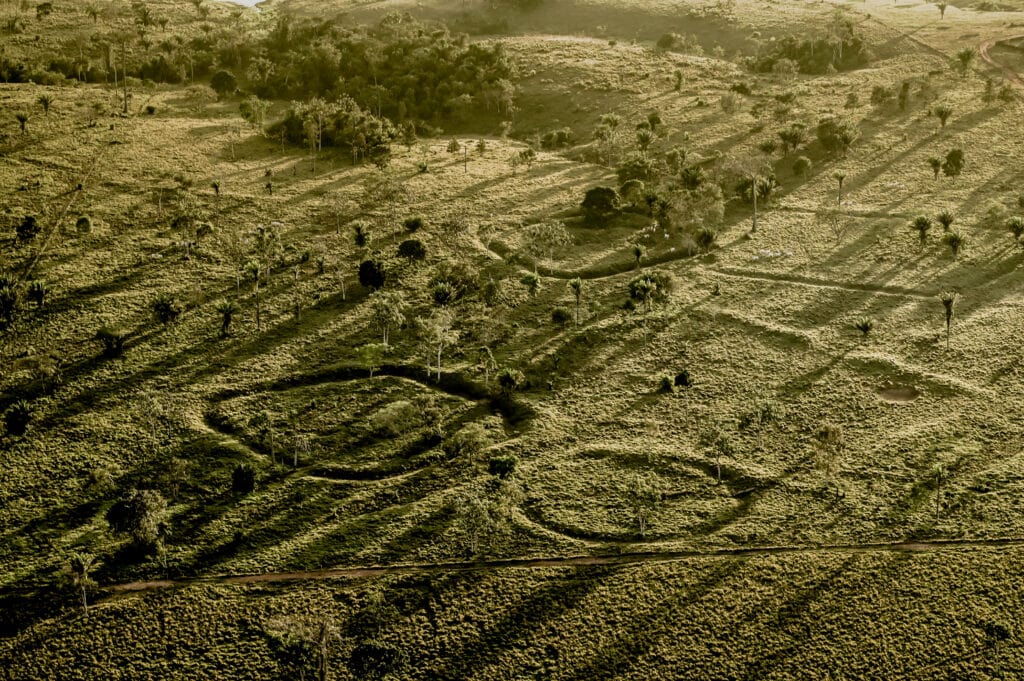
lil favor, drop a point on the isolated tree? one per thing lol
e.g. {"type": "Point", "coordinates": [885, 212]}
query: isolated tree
{"type": "Point", "coordinates": [953, 165]}
{"type": "Point", "coordinates": [45, 101]}
{"type": "Point", "coordinates": [251, 270]}
{"type": "Point", "coordinates": [576, 286]}
{"type": "Point", "coordinates": [22, 119]}
{"type": "Point", "coordinates": [720, 444]}
{"type": "Point", "coordinates": [829, 440]}
{"type": "Point", "coordinates": [438, 334]}
{"type": "Point", "coordinates": [949, 300]}
{"type": "Point", "coordinates": [227, 309]}
{"type": "Point", "coordinates": [1016, 227]}
{"type": "Point", "coordinates": [942, 9]}
{"type": "Point", "coordinates": [864, 325]}
{"type": "Point", "coordinates": [935, 163]}
{"type": "Point", "coordinates": [81, 565]}
{"type": "Point", "coordinates": [945, 218]}
{"type": "Point", "coordinates": [643, 497]}
{"type": "Point", "coordinates": [942, 112]}
{"type": "Point", "coordinates": [955, 240]}
{"type": "Point", "coordinates": [387, 310]}
{"type": "Point", "coordinates": [166, 308]}
{"type": "Point", "coordinates": [139, 515]}
{"type": "Point", "coordinates": [921, 225]}
{"type": "Point", "coordinates": [644, 289]}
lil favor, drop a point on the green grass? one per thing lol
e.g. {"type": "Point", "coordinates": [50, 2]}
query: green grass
{"type": "Point", "coordinates": [781, 325]}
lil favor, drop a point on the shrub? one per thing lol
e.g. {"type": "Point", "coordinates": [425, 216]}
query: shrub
{"type": "Point", "coordinates": [510, 380]}
{"type": "Point", "coordinates": [36, 292]}
{"type": "Point", "coordinates": [140, 515]}
{"type": "Point", "coordinates": [112, 339]}
{"type": "Point", "coordinates": [413, 224]}
{"type": "Point", "coordinates": [467, 442]}
{"type": "Point", "coordinates": [84, 224]}
{"type": "Point", "coordinates": [10, 300]}
{"type": "Point", "coordinates": [17, 418]}
{"type": "Point", "coordinates": [666, 385]}
{"type": "Point", "coordinates": [166, 308]}
{"type": "Point", "coordinates": [395, 418]}
{"type": "Point", "coordinates": [502, 465]}
{"type": "Point", "coordinates": [836, 135]}
{"type": "Point", "coordinates": [561, 316]}
{"type": "Point", "coordinates": [555, 139]}
{"type": "Point", "coordinates": [454, 147]}
{"type": "Point", "coordinates": [683, 379]}
{"type": "Point", "coordinates": [599, 205]}
{"type": "Point", "coordinates": [705, 238]}
{"type": "Point", "coordinates": [223, 82]}
{"type": "Point", "coordinates": [864, 325]}
{"type": "Point", "coordinates": [443, 293]}
{"type": "Point", "coordinates": [637, 168]}
{"type": "Point", "coordinates": [955, 240]}
{"type": "Point", "coordinates": [413, 249]}
{"type": "Point", "coordinates": [372, 274]}
{"type": "Point", "coordinates": [243, 479]}
{"type": "Point", "coordinates": [954, 163]}
{"type": "Point", "coordinates": [28, 228]}
{"type": "Point", "coordinates": [150, 110]}
{"type": "Point", "coordinates": [802, 166]}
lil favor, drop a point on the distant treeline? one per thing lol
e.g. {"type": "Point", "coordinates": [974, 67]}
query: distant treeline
{"type": "Point", "coordinates": [398, 68]}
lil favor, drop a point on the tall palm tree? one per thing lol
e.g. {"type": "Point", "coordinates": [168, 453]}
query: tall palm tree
{"type": "Point", "coordinates": [576, 286]}
{"type": "Point", "coordinates": [226, 309]}
{"type": "Point", "coordinates": [921, 225]}
{"type": "Point", "coordinates": [949, 299]}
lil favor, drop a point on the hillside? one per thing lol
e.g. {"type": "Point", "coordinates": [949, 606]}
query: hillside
{"type": "Point", "coordinates": [687, 435]}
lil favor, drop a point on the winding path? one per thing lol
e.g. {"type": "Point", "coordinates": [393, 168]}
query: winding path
{"type": "Point", "coordinates": [1008, 73]}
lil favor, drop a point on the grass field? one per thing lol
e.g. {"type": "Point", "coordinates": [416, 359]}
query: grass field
{"type": "Point", "coordinates": [354, 469]}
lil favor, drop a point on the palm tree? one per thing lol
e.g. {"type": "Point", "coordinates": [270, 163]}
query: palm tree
{"type": "Point", "coordinates": [638, 254]}
{"type": "Point", "coordinates": [45, 101]}
{"type": "Point", "coordinates": [252, 272]}
{"type": "Point", "coordinates": [955, 240]}
{"type": "Point", "coordinates": [935, 163]}
{"type": "Point", "coordinates": [921, 225]}
{"type": "Point", "coordinates": [839, 178]}
{"type": "Point", "coordinates": [949, 299]}
{"type": "Point", "coordinates": [945, 218]}
{"type": "Point", "coordinates": [1016, 227]}
{"type": "Point", "coordinates": [94, 12]}
{"type": "Point", "coordinates": [576, 286]}
{"type": "Point", "coordinates": [644, 139]}
{"type": "Point", "coordinates": [226, 309]}
{"type": "Point", "coordinates": [165, 308]}
{"type": "Point", "coordinates": [81, 566]}
{"type": "Point", "coordinates": [864, 325]}
{"type": "Point", "coordinates": [942, 112]}
{"type": "Point", "coordinates": [531, 281]}
{"type": "Point", "coordinates": [645, 290]}
{"type": "Point", "coordinates": [22, 119]}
